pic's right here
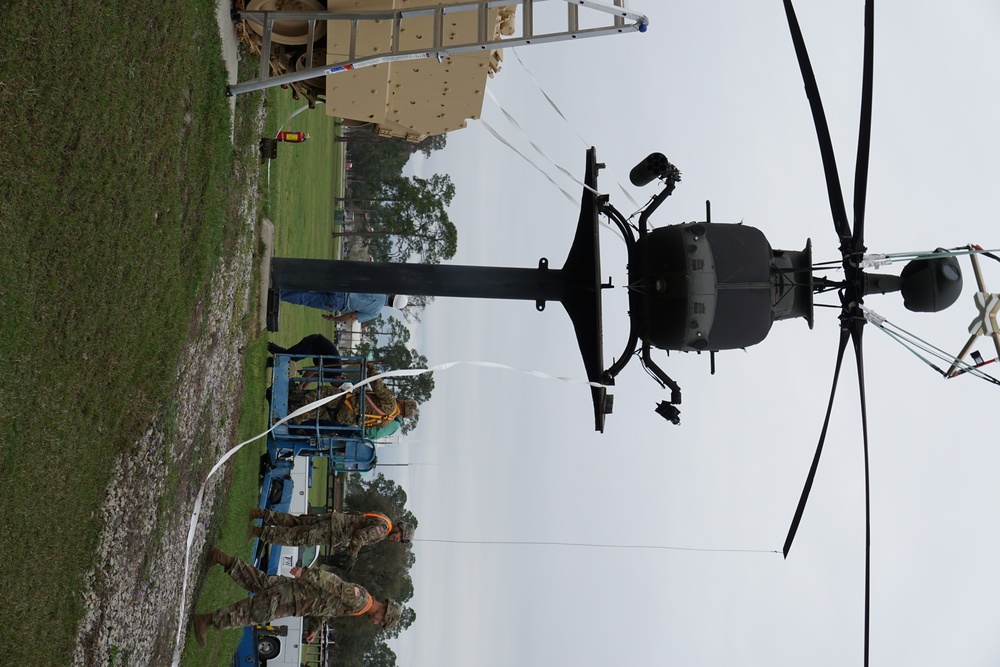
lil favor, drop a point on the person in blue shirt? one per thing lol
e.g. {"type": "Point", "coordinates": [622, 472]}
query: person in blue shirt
{"type": "Point", "coordinates": [352, 306]}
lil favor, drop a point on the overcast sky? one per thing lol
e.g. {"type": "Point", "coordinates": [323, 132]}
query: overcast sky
{"type": "Point", "coordinates": [500, 456]}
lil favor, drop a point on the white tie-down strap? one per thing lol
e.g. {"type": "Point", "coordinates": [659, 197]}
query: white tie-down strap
{"type": "Point", "coordinates": [347, 388]}
{"type": "Point", "coordinates": [570, 198]}
{"type": "Point", "coordinates": [517, 126]}
{"type": "Point", "coordinates": [499, 137]}
{"type": "Point", "coordinates": [556, 108]}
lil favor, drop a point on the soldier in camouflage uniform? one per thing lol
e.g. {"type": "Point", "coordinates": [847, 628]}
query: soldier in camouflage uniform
{"type": "Point", "coordinates": [337, 530]}
{"type": "Point", "coordinates": [378, 408]}
{"type": "Point", "coordinates": [308, 592]}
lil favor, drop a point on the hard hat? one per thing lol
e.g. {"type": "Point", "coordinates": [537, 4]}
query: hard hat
{"type": "Point", "coordinates": [400, 301]}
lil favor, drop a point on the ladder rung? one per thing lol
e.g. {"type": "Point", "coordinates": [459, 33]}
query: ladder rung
{"type": "Point", "coordinates": [485, 31]}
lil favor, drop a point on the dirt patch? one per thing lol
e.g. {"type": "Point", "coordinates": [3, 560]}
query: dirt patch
{"type": "Point", "coordinates": [132, 595]}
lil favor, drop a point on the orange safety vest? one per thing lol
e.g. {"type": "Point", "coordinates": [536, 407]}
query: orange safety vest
{"type": "Point", "coordinates": [367, 606]}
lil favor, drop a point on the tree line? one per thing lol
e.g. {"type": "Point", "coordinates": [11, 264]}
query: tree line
{"type": "Point", "coordinates": [405, 216]}
{"type": "Point", "coordinates": [405, 219]}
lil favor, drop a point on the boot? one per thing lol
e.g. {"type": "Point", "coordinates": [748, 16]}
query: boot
{"type": "Point", "coordinates": [255, 531]}
{"type": "Point", "coordinates": [217, 556]}
{"type": "Point", "coordinates": [256, 513]}
{"type": "Point", "coordinates": [201, 624]}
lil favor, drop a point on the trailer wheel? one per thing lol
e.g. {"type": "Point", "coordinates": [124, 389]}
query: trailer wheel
{"type": "Point", "coordinates": [265, 465]}
{"type": "Point", "coordinates": [291, 33]}
{"type": "Point", "coordinates": [318, 86]}
{"type": "Point", "coordinates": [275, 492]}
{"type": "Point", "coordinates": [268, 647]}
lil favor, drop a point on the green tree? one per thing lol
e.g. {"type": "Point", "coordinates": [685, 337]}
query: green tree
{"type": "Point", "coordinates": [412, 213]}
{"type": "Point", "coordinates": [426, 146]}
{"type": "Point", "coordinates": [390, 351]}
{"type": "Point", "coordinates": [374, 162]}
{"type": "Point", "coordinates": [376, 159]}
{"type": "Point", "coordinates": [380, 655]}
{"type": "Point", "coordinates": [415, 309]}
{"type": "Point", "coordinates": [435, 142]}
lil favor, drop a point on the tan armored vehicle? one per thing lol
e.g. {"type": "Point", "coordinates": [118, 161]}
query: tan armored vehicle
{"type": "Point", "coordinates": [410, 99]}
{"type": "Point", "coordinates": [410, 68]}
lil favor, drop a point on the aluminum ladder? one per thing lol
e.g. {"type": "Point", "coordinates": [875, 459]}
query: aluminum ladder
{"type": "Point", "coordinates": [620, 19]}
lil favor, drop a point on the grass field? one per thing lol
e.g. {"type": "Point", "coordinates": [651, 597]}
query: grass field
{"type": "Point", "coordinates": [117, 181]}
{"type": "Point", "coordinates": [301, 186]}
{"type": "Point", "coordinates": [303, 181]}
{"type": "Point", "coordinates": [114, 189]}
{"type": "Point", "coordinates": [230, 521]}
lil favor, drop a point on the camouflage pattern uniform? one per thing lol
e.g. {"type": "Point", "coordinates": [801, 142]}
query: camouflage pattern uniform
{"type": "Point", "coordinates": [342, 411]}
{"type": "Point", "coordinates": [338, 530]}
{"type": "Point", "coordinates": [378, 393]}
{"type": "Point", "coordinates": [316, 593]}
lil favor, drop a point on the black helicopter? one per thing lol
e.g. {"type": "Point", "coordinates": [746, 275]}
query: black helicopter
{"type": "Point", "coordinates": [707, 287]}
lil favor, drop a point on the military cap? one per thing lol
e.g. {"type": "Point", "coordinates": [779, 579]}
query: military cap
{"type": "Point", "coordinates": [406, 531]}
{"type": "Point", "coordinates": [393, 612]}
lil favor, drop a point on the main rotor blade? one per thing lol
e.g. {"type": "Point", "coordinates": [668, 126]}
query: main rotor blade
{"type": "Point", "coordinates": [864, 132]}
{"type": "Point", "coordinates": [836, 195]}
{"type": "Point", "coordinates": [844, 336]}
{"type": "Point", "coordinates": [856, 330]}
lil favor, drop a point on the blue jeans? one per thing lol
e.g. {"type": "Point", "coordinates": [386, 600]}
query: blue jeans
{"type": "Point", "coordinates": [321, 300]}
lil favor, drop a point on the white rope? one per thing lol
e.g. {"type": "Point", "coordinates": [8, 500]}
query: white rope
{"type": "Point", "coordinates": [572, 200]}
{"type": "Point", "coordinates": [876, 260]}
{"type": "Point", "coordinates": [347, 388]}
{"type": "Point", "coordinates": [517, 126]}
{"type": "Point", "coordinates": [556, 108]}
{"type": "Point", "coordinates": [491, 130]}
{"type": "Point", "coordinates": [915, 345]}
